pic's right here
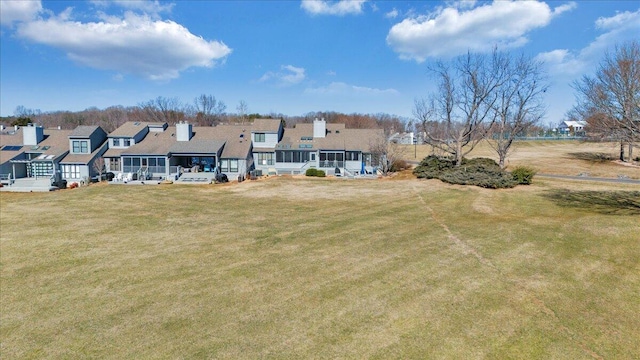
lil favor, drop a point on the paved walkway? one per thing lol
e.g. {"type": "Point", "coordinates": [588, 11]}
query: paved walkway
{"type": "Point", "coordinates": [588, 178]}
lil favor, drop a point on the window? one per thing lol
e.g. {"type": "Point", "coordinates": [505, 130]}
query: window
{"type": "Point", "coordinates": [260, 137]}
{"type": "Point", "coordinates": [80, 146]}
{"type": "Point", "coordinates": [116, 142]}
{"type": "Point", "coordinates": [114, 164]}
{"type": "Point", "coordinates": [233, 165]}
{"type": "Point", "coordinates": [264, 158]}
{"type": "Point", "coordinates": [224, 165]}
{"type": "Point", "coordinates": [292, 156]}
{"type": "Point", "coordinates": [352, 155]}
{"type": "Point", "coordinates": [127, 142]}
{"type": "Point", "coordinates": [71, 171]}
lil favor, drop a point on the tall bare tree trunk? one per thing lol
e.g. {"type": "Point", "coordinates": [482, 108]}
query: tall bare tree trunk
{"type": "Point", "coordinates": [630, 151]}
{"type": "Point", "coordinates": [621, 151]}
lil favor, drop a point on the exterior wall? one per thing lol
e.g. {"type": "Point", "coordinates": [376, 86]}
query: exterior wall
{"type": "Point", "coordinates": [353, 166]}
{"type": "Point", "coordinates": [270, 140]}
{"type": "Point", "coordinates": [132, 141]}
{"type": "Point", "coordinates": [243, 169]}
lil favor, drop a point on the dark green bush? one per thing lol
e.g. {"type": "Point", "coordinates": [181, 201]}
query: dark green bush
{"type": "Point", "coordinates": [432, 166]}
{"type": "Point", "coordinates": [523, 175]}
{"type": "Point", "coordinates": [481, 172]}
{"type": "Point", "coordinates": [315, 172]}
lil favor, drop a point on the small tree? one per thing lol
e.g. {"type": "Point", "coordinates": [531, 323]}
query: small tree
{"type": "Point", "coordinates": [386, 153]}
{"type": "Point", "coordinates": [99, 166]}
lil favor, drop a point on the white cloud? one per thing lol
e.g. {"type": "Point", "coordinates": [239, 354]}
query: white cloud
{"type": "Point", "coordinates": [340, 88]}
{"type": "Point", "coordinates": [617, 29]}
{"type": "Point", "coordinates": [324, 7]}
{"type": "Point", "coordinates": [150, 7]}
{"type": "Point", "coordinates": [564, 8]}
{"type": "Point", "coordinates": [289, 75]}
{"type": "Point", "coordinates": [391, 14]}
{"type": "Point", "coordinates": [135, 44]}
{"type": "Point", "coordinates": [452, 31]}
{"type": "Point", "coordinates": [12, 11]}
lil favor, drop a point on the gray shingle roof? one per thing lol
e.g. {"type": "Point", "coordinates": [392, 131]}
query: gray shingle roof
{"type": "Point", "coordinates": [83, 131]}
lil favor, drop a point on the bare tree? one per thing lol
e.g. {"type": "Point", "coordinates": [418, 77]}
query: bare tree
{"type": "Point", "coordinates": [457, 117]}
{"type": "Point", "coordinates": [99, 166]}
{"type": "Point", "coordinates": [610, 100]}
{"type": "Point", "coordinates": [242, 109]}
{"type": "Point", "coordinates": [386, 153]}
{"type": "Point", "coordinates": [209, 110]}
{"type": "Point", "coordinates": [162, 109]}
{"type": "Point", "coordinates": [519, 104]}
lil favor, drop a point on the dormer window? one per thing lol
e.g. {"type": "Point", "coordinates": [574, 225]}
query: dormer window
{"type": "Point", "coordinates": [127, 142]}
{"type": "Point", "coordinates": [116, 142]}
{"type": "Point", "coordinates": [80, 146]}
{"type": "Point", "coordinates": [260, 137]}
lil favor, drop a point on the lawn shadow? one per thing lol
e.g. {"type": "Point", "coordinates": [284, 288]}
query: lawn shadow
{"type": "Point", "coordinates": [604, 202]}
{"type": "Point", "coordinates": [594, 157]}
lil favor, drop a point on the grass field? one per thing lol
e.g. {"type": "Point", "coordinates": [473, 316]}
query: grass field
{"type": "Point", "coordinates": [322, 268]}
{"type": "Point", "coordinates": [561, 157]}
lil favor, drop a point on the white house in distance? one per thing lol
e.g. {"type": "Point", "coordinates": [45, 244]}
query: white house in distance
{"type": "Point", "coordinates": [572, 127]}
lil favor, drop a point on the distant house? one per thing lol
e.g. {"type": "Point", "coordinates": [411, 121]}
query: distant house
{"type": "Point", "coordinates": [86, 145]}
{"type": "Point", "coordinates": [572, 127]}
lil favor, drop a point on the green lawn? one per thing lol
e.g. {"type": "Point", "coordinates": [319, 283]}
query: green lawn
{"type": "Point", "coordinates": [321, 268]}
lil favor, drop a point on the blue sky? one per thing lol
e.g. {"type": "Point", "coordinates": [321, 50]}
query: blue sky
{"type": "Point", "coordinates": [289, 57]}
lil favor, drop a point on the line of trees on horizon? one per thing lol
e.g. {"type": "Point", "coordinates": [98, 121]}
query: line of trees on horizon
{"type": "Point", "coordinates": [205, 110]}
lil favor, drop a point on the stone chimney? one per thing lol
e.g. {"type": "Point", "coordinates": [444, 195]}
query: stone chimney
{"type": "Point", "coordinates": [32, 134]}
{"type": "Point", "coordinates": [319, 128]}
{"type": "Point", "coordinates": [184, 131]}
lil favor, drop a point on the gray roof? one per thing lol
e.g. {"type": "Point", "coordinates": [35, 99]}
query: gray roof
{"type": "Point", "coordinates": [265, 125]}
{"type": "Point", "coordinates": [129, 129]}
{"type": "Point", "coordinates": [84, 131]}
{"type": "Point", "coordinates": [337, 138]}
{"type": "Point", "coordinates": [193, 146]}
{"type": "Point", "coordinates": [55, 142]}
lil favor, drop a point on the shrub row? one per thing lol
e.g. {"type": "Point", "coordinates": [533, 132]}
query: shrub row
{"type": "Point", "coordinates": [481, 172]}
{"type": "Point", "coordinates": [315, 172]}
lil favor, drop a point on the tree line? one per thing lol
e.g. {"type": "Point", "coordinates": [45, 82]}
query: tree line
{"type": "Point", "coordinates": [204, 110]}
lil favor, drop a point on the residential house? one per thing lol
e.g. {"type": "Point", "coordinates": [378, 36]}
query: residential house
{"type": "Point", "coordinates": [32, 153]}
{"type": "Point", "coordinates": [327, 147]}
{"type": "Point", "coordinates": [572, 127]}
{"type": "Point", "coordinates": [265, 135]}
{"type": "Point", "coordinates": [87, 144]}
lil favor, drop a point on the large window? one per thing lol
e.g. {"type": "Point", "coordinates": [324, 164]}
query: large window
{"type": "Point", "coordinates": [71, 171]}
{"type": "Point", "coordinates": [260, 137]}
{"type": "Point", "coordinates": [80, 146]}
{"type": "Point", "coordinates": [151, 164]}
{"type": "Point", "coordinates": [292, 156]}
{"type": "Point", "coordinates": [116, 142]}
{"type": "Point", "coordinates": [264, 158]}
